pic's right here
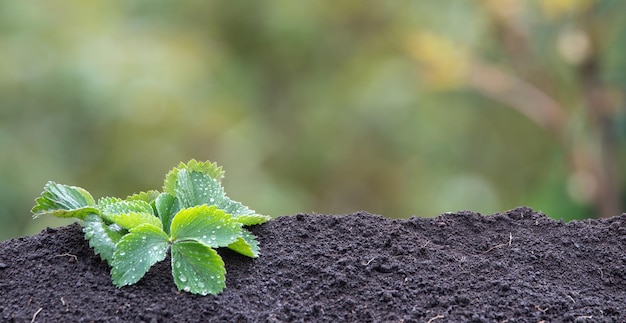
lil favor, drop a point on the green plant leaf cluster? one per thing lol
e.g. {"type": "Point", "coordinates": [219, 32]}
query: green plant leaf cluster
{"type": "Point", "coordinates": [190, 218]}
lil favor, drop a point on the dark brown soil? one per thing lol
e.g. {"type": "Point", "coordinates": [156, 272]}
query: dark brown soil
{"type": "Point", "coordinates": [519, 266]}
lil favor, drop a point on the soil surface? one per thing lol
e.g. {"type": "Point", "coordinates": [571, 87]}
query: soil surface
{"type": "Point", "coordinates": [518, 266]}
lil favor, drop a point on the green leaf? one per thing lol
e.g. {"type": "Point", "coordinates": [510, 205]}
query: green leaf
{"type": "Point", "coordinates": [149, 196]}
{"type": "Point", "coordinates": [205, 224]}
{"type": "Point", "coordinates": [122, 207]}
{"type": "Point", "coordinates": [233, 207]}
{"type": "Point", "coordinates": [111, 208]}
{"type": "Point", "coordinates": [64, 201]}
{"type": "Point", "coordinates": [132, 220]}
{"type": "Point", "coordinates": [102, 238]}
{"type": "Point", "coordinates": [207, 168]}
{"type": "Point", "coordinates": [252, 219]}
{"type": "Point", "coordinates": [167, 206]}
{"type": "Point", "coordinates": [106, 201]}
{"type": "Point", "coordinates": [195, 188]}
{"type": "Point", "coordinates": [197, 268]}
{"type": "Point", "coordinates": [246, 244]}
{"type": "Point", "coordinates": [195, 185]}
{"type": "Point", "coordinates": [136, 252]}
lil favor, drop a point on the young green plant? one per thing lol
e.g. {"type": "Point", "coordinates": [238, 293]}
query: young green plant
{"type": "Point", "coordinates": [190, 218]}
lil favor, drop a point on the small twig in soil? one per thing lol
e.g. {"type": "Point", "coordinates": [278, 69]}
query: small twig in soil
{"type": "Point", "coordinates": [68, 255]}
{"type": "Point", "coordinates": [435, 318]}
{"type": "Point", "coordinates": [502, 244]}
{"type": "Point", "coordinates": [460, 259]}
{"type": "Point", "coordinates": [541, 309]}
{"type": "Point", "coordinates": [35, 315]}
{"type": "Point", "coordinates": [369, 261]}
{"type": "Point", "coordinates": [67, 305]}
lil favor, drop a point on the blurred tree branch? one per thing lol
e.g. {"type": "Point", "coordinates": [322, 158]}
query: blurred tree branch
{"type": "Point", "coordinates": [517, 94]}
{"type": "Point", "coordinates": [594, 162]}
{"type": "Point", "coordinates": [593, 156]}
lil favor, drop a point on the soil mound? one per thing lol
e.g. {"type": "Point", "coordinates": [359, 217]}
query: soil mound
{"type": "Point", "coordinates": [518, 266]}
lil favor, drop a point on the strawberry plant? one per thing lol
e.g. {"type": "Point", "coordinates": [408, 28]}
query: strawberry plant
{"type": "Point", "coordinates": [190, 218]}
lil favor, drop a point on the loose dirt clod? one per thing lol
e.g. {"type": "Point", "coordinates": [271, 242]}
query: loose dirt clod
{"type": "Point", "coordinates": [357, 267]}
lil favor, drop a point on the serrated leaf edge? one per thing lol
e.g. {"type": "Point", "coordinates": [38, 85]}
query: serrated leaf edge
{"type": "Point", "coordinates": [208, 168]}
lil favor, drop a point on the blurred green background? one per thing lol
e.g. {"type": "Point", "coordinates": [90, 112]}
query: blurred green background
{"type": "Point", "coordinates": [399, 108]}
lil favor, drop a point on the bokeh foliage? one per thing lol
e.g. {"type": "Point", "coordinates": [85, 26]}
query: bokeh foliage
{"type": "Point", "coordinates": [395, 107]}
